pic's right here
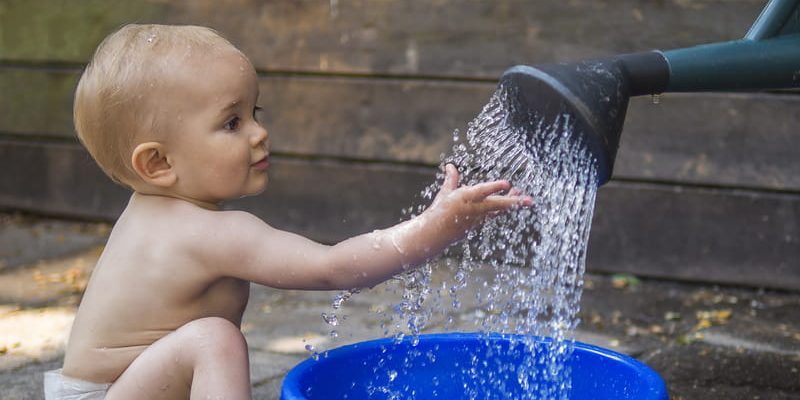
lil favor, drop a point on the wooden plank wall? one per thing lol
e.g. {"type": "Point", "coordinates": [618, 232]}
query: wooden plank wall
{"type": "Point", "coordinates": [362, 98]}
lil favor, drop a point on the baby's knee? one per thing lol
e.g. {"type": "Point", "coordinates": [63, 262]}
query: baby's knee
{"type": "Point", "coordinates": [215, 334]}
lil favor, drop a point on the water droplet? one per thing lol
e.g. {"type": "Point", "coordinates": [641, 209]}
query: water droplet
{"type": "Point", "coordinates": [311, 349]}
{"type": "Point", "coordinates": [330, 319]}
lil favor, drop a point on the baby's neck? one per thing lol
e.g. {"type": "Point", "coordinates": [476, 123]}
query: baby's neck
{"type": "Point", "coordinates": [144, 196]}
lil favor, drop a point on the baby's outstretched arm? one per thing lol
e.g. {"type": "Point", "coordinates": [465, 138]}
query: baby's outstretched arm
{"type": "Point", "coordinates": [384, 253]}
{"type": "Point", "coordinates": [280, 259]}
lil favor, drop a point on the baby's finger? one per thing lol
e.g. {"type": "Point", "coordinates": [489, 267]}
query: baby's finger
{"type": "Point", "coordinates": [524, 199]}
{"type": "Point", "coordinates": [499, 203]}
{"type": "Point", "coordinates": [450, 177]}
{"type": "Point", "coordinates": [484, 190]}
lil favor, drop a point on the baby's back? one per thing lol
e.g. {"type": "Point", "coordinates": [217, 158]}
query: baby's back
{"type": "Point", "coordinates": [148, 282]}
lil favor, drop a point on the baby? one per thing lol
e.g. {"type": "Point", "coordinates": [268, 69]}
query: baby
{"type": "Point", "coordinates": [169, 111]}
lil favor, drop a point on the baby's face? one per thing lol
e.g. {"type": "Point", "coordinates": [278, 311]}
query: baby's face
{"type": "Point", "coordinates": [218, 147]}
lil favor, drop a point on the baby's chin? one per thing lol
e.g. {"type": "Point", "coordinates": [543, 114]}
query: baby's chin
{"type": "Point", "coordinates": [259, 189]}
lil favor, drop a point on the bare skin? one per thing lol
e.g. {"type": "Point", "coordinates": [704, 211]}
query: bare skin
{"type": "Point", "coordinates": [160, 317]}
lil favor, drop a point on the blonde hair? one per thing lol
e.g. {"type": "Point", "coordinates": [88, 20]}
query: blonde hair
{"type": "Point", "coordinates": [115, 101]}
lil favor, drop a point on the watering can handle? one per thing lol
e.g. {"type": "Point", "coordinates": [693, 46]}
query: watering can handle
{"type": "Point", "coordinates": [773, 18]}
{"type": "Point", "coordinates": [768, 57]}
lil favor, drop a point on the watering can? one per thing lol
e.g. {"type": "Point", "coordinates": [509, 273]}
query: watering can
{"type": "Point", "coordinates": [595, 93]}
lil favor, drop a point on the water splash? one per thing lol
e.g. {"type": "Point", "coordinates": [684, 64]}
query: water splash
{"type": "Point", "coordinates": [536, 256]}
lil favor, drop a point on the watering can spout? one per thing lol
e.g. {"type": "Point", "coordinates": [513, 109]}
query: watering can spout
{"type": "Point", "coordinates": [595, 93]}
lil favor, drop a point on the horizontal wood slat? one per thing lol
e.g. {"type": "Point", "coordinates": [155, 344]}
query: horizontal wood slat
{"type": "Point", "coordinates": [442, 37]}
{"type": "Point", "coordinates": [712, 235]}
{"type": "Point", "coordinates": [37, 102]}
{"type": "Point", "coordinates": [748, 140]}
{"type": "Point", "coordinates": [56, 179]}
{"type": "Point", "coordinates": [724, 236]}
{"type": "Point", "coordinates": [742, 140]}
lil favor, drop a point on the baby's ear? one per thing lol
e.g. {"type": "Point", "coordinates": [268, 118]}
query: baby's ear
{"type": "Point", "coordinates": [150, 162]}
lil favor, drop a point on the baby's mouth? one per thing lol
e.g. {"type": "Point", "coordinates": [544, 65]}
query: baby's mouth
{"type": "Point", "coordinates": [261, 164]}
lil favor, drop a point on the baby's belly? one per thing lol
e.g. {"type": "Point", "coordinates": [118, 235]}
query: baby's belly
{"type": "Point", "coordinates": [100, 364]}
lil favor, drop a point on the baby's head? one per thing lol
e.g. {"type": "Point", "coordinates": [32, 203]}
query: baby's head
{"type": "Point", "coordinates": [120, 99]}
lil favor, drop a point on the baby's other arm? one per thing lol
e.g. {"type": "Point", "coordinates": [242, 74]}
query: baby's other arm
{"type": "Point", "coordinates": [252, 250]}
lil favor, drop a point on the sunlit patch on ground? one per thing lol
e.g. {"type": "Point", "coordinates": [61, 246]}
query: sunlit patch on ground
{"type": "Point", "coordinates": [296, 344]}
{"type": "Point", "coordinates": [33, 335]}
{"type": "Point", "coordinates": [40, 302]}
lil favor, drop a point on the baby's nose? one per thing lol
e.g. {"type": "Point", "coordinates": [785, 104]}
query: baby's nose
{"type": "Point", "coordinates": [260, 136]}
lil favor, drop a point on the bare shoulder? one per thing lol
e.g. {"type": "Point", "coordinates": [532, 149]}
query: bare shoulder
{"type": "Point", "coordinates": [226, 236]}
{"type": "Point", "coordinates": [224, 226]}
{"type": "Point", "coordinates": [178, 227]}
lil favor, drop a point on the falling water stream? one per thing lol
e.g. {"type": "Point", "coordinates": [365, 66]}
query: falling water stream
{"type": "Point", "coordinates": [535, 255]}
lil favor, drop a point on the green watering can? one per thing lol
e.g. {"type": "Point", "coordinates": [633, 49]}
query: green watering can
{"type": "Point", "coordinates": [595, 93]}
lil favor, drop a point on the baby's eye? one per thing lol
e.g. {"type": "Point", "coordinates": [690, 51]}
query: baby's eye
{"type": "Point", "coordinates": [232, 124]}
{"type": "Point", "coordinates": [257, 113]}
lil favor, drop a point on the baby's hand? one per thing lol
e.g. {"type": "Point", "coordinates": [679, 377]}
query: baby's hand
{"type": "Point", "coordinates": [462, 208]}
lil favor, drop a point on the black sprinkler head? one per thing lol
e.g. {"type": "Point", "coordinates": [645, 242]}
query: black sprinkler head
{"type": "Point", "coordinates": [594, 94]}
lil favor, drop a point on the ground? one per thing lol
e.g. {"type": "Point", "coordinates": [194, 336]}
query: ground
{"type": "Point", "coordinates": [707, 342]}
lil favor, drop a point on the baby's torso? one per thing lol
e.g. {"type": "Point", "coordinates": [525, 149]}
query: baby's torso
{"type": "Point", "coordinates": [143, 288]}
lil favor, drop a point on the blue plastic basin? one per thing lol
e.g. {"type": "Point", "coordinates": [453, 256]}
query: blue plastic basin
{"type": "Point", "coordinates": [354, 371]}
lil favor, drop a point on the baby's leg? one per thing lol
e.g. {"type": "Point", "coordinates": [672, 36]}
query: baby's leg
{"type": "Point", "coordinates": [206, 357]}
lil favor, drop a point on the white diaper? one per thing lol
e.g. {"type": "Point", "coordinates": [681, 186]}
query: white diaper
{"type": "Point", "coordinates": [60, 387]}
